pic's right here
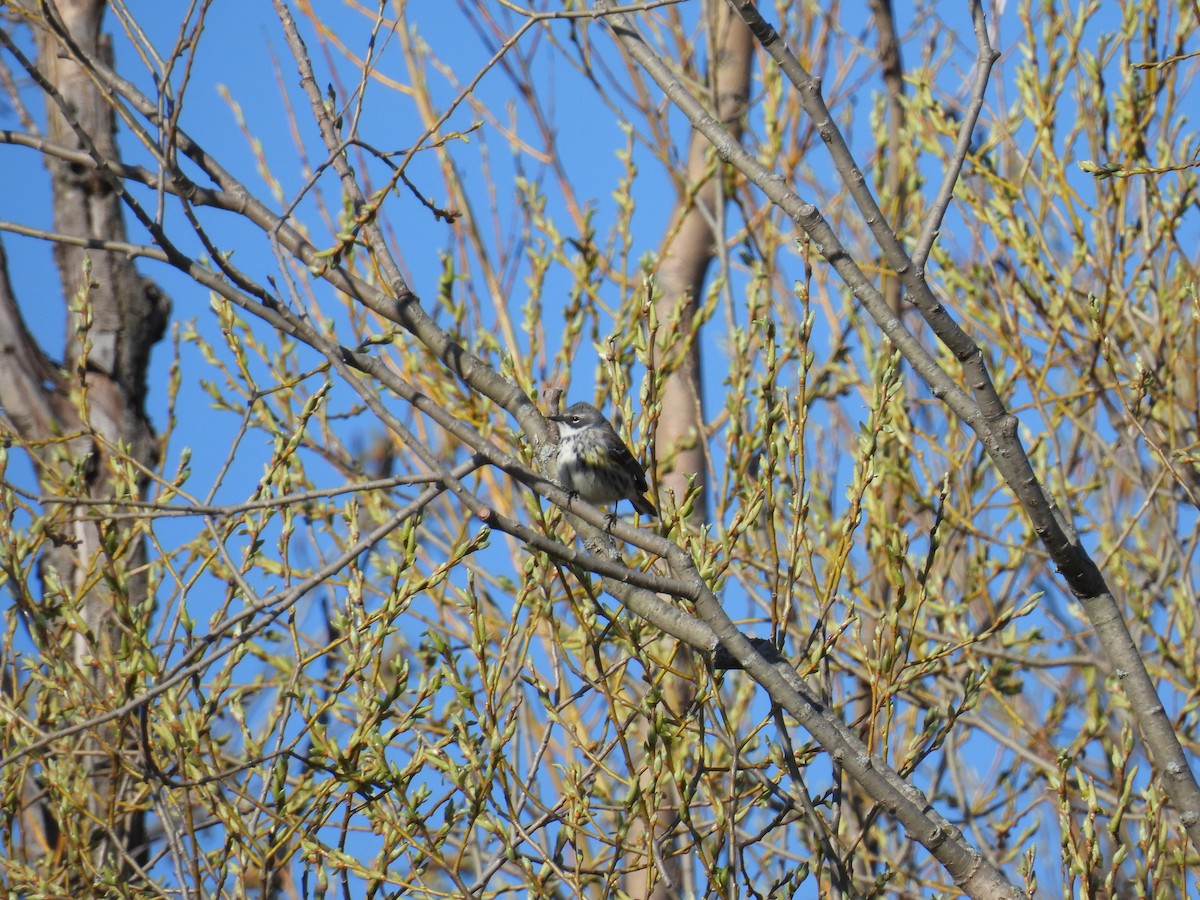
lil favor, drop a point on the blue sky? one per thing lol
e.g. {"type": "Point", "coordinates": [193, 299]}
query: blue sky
{"type": "Point", "coordinates": [236, 63]}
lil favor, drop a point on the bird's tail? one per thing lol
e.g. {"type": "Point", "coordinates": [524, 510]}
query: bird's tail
{"type": "Point", "coordinates": [643, 505]}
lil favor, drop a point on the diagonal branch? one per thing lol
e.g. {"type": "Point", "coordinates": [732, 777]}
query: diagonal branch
{"type": "Point", "coordinates": [987, 415]}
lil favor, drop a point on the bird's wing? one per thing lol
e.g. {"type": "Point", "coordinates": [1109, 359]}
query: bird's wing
{"type": "Point", "coordinates": [626, 460]}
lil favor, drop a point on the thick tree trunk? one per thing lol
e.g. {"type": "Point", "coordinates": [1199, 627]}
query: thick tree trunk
{"type": "Point", "coordinates": [693, 242]}
{"type": "Point", "coordinates": [686, 256]}
{"type": "Point", "coordinates": [84, 423]}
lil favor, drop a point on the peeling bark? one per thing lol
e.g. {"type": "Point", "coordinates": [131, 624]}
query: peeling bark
{"type": "Point", "coordinates": [79, 421]}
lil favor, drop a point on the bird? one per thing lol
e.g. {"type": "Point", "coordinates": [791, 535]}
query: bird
{"type": "Point", "coordinates": [594, 462]}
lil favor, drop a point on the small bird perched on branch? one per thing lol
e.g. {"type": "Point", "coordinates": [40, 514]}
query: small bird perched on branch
{"type": "Point", "coordinates": [594, 462]}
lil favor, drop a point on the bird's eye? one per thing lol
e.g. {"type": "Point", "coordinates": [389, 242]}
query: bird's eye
{"type": "Point", "coordinates": [575, 420]}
